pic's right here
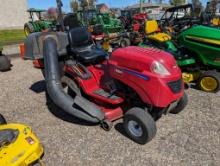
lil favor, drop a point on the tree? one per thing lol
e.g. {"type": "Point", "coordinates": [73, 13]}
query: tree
{"type": "Point", "coordinates": [84, 4]}
{"type": "Point", "coordinates": [197, 5]}
{"type": "Point", "coordinates": [177, 2]}
{"type": "Point", "coordinates": [74, 5]}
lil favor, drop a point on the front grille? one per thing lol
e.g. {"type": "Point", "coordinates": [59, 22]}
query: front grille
{"type": "Point", "coordinates": [175, 86]}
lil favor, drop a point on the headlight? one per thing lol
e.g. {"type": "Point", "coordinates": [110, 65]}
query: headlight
{"type": "Point", "coordinates": [30, 140]}
{"type": "Point", "coordinates": [160, 69]}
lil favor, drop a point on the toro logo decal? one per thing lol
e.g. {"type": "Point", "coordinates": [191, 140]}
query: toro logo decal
{"type": "Point", "coordinates": [119, 71]}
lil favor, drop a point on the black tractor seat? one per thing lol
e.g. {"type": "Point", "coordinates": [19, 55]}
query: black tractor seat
{"type": "Point", "coordinates": [83, 47]}
{"type": "Point", "coordinates": [93, 55]}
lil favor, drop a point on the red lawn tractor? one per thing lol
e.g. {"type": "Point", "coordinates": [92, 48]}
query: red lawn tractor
{"type": "Point", "coordinates": [137, 31]}
{"type": "Point", "coordinates": [133, 83]}
{"type": "Point", "coordinates": [134, 21]}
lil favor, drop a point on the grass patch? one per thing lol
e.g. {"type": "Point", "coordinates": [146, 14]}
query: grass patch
{"type": "Point", "coordinates": [8, 37]}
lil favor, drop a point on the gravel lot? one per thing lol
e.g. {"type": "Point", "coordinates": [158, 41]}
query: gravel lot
{"type": "Point", "coordinates": [190, 138]}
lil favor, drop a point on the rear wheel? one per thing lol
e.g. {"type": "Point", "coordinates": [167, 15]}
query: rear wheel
{"type": "Point", "coordinates": [125, 42]}
{"type": "Point", "coordinates": [209, 81]}
{"type": "Point", "coordinates": [2, 120]}
{"type": "Point", "coordinates": [5, 64]}
{"type": "Point", "coordinates": [28, 29]}
{"type": "Point", "coordinates": [139, 125]}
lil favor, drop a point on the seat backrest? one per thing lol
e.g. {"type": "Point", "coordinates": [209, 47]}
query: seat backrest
{"type": "Point", "coordinates": [79, 37]}
{"type": "Point", "coordinates": [151, 26]}
{"type": "Point", "coordinates": [71, 21]}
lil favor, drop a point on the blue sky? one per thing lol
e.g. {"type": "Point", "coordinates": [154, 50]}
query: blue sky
{"type": "Point", "coordinates": [44, 4]}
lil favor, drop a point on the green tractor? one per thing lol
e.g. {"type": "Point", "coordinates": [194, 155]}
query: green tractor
{"type": "Point", "coordinates": [195, 47]}
{"type": "Point", "coordinates": [37, 23]}
{"type": "Point", "coordinates": [111, 28]}
{"type": "Point", "coordinates": [90, 14]}
{"type": "Point", "coordinates": [203, 44]}
{"type": "Point", "coordinates": [105, 28]}
{"type": "Point", "coordinates": [109, 24]}
{"type": "Point", "coordinates": [197, 51]}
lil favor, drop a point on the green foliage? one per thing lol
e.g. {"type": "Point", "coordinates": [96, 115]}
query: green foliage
{"type": "Point", "coordinates": [177, 2]}
{"type": "Point", "coordinates": [11, 37]}
{"type": "Point", "coordinates": [83, 4]}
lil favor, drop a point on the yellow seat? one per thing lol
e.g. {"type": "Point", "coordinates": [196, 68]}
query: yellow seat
{"type": "Point", "coordinates": [151, 29]}
{"type": "Point", "coordinates": [216, 21]}
{"type": "Point", "coordinates": [161, 37]}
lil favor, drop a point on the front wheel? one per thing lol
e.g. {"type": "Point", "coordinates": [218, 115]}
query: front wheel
{"type": "Point", "coordinates": [180, 105]}
{"type": "Point", "coordinates": [209, 81]}
{"type": "Point", "coordinates": [139, 125]}
{"type": "Point", "coordinates": [106, 125]}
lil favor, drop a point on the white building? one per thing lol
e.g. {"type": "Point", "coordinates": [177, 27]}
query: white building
{"type": "Point", "coordinates": [153, 10]}
{"type": "Point", "coordinates": [13, 14]}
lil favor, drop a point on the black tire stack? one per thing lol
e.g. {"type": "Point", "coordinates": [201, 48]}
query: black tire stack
{"type": "Point", "coordinates": [5, 64]}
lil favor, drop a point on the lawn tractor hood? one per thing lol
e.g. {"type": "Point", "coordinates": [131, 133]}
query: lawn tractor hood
{"type": "Point", "coordinates": [143, 58]}
{"type": "Point", "coordinates": [204, 42]}
{"type": "Point", "coordinates": [148, 68]}
{"type": "Point", "coordinates": [202, 35]}
{"type": "Point", "coordinates": [49, 46]}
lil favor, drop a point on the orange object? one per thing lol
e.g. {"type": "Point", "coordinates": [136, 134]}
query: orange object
{"type": "Point", "coordinates": [22, 50]}
{"type": "Point", "coordinates": [38, 64]}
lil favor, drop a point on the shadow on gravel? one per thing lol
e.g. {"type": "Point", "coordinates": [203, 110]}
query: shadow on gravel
{"type": "Point", "coordinates": [38, 87]}
{"type": "Point", "coordinates": [59, 113]}
{"type": "Point", "coordinates": [119, 127]}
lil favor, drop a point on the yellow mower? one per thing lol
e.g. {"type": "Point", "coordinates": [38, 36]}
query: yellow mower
{"type": "Point", "coordinates": [19, 146]}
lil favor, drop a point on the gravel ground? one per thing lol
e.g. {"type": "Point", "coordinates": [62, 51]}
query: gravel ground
{"type": "Point", "coordinates": [189, 138]}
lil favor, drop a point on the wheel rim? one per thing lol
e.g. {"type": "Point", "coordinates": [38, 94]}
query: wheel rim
{"type": "Point", "coordinates": [209, 84]}
{"type": "Point", "coordinates": [135, 129]}
{"type": "Point", "coordinates": [26, 31]}
{"type": "Point", "coordinates": [123, 44]}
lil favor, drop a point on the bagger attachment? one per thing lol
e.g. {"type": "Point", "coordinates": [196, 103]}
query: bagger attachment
{"type": "Point", "coordinates": [50, 47]}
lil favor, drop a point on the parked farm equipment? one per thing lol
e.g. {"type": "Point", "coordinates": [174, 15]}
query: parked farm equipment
{"type": "Point", "coordinates": [37, 23]}
{"type": "Point", "coordinates": [102, 88]}
{"type": "Point", "coordinates": [19, 145]}
{"type": "Point", "coordinates": [196, 50]}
